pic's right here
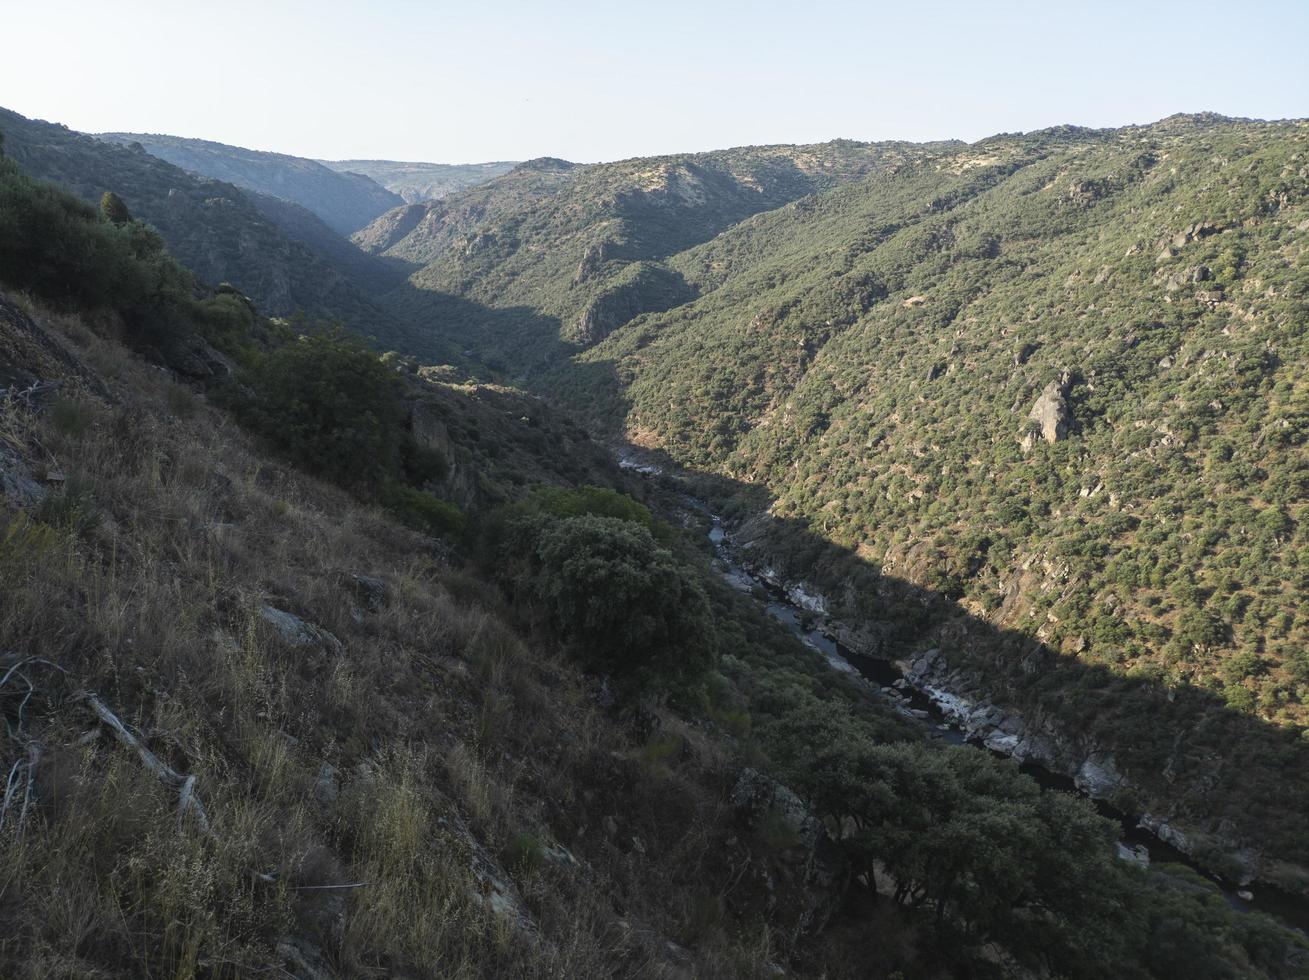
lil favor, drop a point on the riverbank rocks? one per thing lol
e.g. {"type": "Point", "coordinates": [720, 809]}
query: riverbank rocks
{"type": "Point", "coordinates": [1097, 776]}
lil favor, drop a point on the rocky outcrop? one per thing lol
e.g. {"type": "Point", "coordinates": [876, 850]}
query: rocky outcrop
{"type": "Point", "coordinates": [1050, 413]}
{"type": "Point", "coordinates": [813, 867]}
{"type": "Point", "coordinates": [297, 633]}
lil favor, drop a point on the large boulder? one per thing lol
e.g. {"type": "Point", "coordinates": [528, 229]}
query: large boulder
{"type": "Point", "coordinates": [1050, 412]}
{"type": "Point", "coordinates": [297, 633]}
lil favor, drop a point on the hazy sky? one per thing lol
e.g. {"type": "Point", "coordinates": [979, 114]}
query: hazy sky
{"type": "Point", "coordinates": [481, 80]}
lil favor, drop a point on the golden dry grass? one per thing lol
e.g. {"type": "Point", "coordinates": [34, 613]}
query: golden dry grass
{"type": "Point", "coordinates": [446, 726]}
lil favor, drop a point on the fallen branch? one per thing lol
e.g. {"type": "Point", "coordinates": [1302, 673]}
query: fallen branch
{"type": "Point", "coordinates": [187, 800]}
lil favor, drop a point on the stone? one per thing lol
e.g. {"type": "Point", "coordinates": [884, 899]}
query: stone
{"type": "Point", "coordinates": [18, 486]}
{"type": "Point", "coordinates": [372, 592]}
{"type": "Point", "coordinates": [1098, 776]}
{"type": "Point", "coordinates": [1050, 411]}
{"type": "Point", "coordinates": [326, 789]}
{"type": "Point", "coordinates": [297, 633]}
{"type": "Point", "coordinates": [302, 960]}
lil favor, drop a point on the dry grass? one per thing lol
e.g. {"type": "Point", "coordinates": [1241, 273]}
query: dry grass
{"type": "Point", "coordinates": [143, 579]}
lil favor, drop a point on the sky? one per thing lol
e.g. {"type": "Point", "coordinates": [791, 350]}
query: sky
{"type": "Point", "coordinates": [587, 81]}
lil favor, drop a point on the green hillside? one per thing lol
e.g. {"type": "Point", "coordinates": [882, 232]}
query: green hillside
{"type": "Point", "coordinates": [278, 254]}
{"type": "Point", "coordinates": [273, 703]}
{"type": "Point", "coordinates": [584, 245]}
{"type": "Point", "coordinates": [345, 201]}
{"type": "Point", "coordinates": [1056, 379]}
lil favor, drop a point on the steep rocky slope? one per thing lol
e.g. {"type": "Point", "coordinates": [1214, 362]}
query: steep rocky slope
{"type": "Point", "coordinates": [254, 724]}
{"type": "Point", "coordinates": [583, 246]}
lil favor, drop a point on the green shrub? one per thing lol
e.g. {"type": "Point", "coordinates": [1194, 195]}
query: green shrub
{"type": "Point", "coordinates": [425, 511]}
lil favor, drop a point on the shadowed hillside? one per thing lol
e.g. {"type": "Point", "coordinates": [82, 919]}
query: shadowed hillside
{"type": "Point", "coordinates": [345, 201]}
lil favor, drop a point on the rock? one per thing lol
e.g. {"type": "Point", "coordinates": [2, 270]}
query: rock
{"type": "Point", "coordinates": [1244, 895]}
{"type": "Point", "coordinates": [18, 486]}
{"type": "Point", "coordinates": [1138, 855]}
{"type": "Point", "coordinates": [1098, 776]}
{"type": "Point", "coordinates": [493, 888]}
{"type": "Point", "coordinates": [302, 960]}
{"type": "Point", "coordinates": [372, 592]}
{"type": "Point", "coordinates": [1166, 832]}
{"type": "Point", "coordinates": [560, 856]}
{"type": "Point", "coordinates": [915, 300]}
{"type": "Point", "coordinates": [1023, 353]}
{"type": "Point", "coordinates": [757, 795]}
{"type": "Point", "coordinates": [326, 788]}
{"type": "Point", "coordinates": [297, 633]}
{"type": "Point", "coordinates": [1201, 229]}
{"type": "Point", "coordinates": [1051, 410]}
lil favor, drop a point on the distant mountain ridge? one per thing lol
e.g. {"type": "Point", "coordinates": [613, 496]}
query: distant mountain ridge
{"type": "Point", "coordinates": [415, 182]}
{"type": "Point", "coordinates": [346, 201]}
{"type": "Point", "coordinates": [586, 243]}
{"type": "Point", "coordinates": [278, 253]}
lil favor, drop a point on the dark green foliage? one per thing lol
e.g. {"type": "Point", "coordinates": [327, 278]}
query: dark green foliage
{"type": "Point", "coordinates": [628, 604]}
{"type": "Point", "coordinates": [113, 208]}
{"type": "Point", "coordinates": [625, 604]}
{"type": "Point", "coordinates": [344, 201]}
{"type": "Point", "coordinates": [424, 510]}
{"type": "Point", "coordinates": [332, 407]}
{"type": "Point", "coordinates": [67, 253]}
{"type": "Point", "coordinates": [559, 502]}
{"type": "Point", "coordinates": [279, 254]}
{"type": "Point", "coordinates": [864, 360]}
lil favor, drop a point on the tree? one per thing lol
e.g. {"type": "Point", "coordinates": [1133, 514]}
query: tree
{"type": "Point", "coordinates": [625, 603]}
{"type": "Point", "coordinates": [113, 208]}
{"type": "Point", "coordinates": [332, 407]}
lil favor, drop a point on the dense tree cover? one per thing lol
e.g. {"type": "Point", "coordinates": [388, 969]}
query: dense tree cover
{"type": "Point", "coordinates": [331, 406]}
{"type": "Point", "coordinates": [68, 253]}
{"type": "Point", "coordinates": [976, 855]}
{"type": "Point", "coordinates": [584, 245]}
{"type": "Point", "coordinates": [868, 357]}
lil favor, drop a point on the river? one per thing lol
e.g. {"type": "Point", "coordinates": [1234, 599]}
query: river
{"type": "Point", "coordinates": [1136, 843]}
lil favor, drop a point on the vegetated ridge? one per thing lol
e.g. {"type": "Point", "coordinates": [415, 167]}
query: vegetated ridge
{"type": "Point", "coordinates": [345, 200]}
{"type": "Point", "coordinates": [417, 182]}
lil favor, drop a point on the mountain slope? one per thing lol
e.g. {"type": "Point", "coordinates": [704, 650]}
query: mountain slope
{"type": "Point", "coordinates": [1054, 378]}
{"type": "Point", "coordinates": [254, 724]}
{"type": "Point", "coordinates": [216, 229]}
{"type": "Point", "coordinates": [1061, 379]}
{"type": "Point", "coordinates": [417, 182]}
{"type": "Point", "coordinates": [346, 201]}
{"type": "Point", "coordinates": [584, 245]}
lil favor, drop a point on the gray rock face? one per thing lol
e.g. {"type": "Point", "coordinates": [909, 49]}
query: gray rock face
{"type": "Point", "coordinates": [372, 592]}
{"type": "Point", "coordinates": [756, 795]}
{"type": "Point", "coordinates": [18, 486]}
{"type": "Point", "coordinates": [297, 633]}
{"type": "Point", "coordinates": [1051, 410]}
